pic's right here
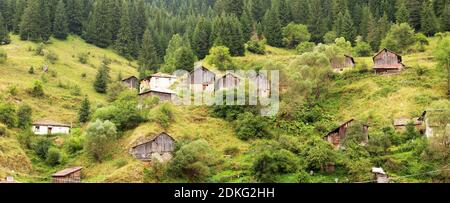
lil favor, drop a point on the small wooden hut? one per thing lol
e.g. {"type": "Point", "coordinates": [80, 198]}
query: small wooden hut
{"type": "Point", "coordinates": [164, 95]}
{"type": "Point", "coordinates": [387, 61]}
{"type": "Point", "coordinates": [69, 175]}
{"type": "Point", "coordinates": [340, 65]}
{"type": "Point", "coordinates": [131, 82]}
{"type": "Point", "coordinates": [336, 136]}
{"type": "Point", "coordinates": [159, 144]}
{"type": "Point", "coordinates": [379, 175]}
{"type": "Point", "coordinates": [228, 81]}
{"type": "Point", "coordinates": [202, 79]}
{"type": "Point", "coordinates": [401, 123]}
{"type": "Point", "coordinates": [262, 85]}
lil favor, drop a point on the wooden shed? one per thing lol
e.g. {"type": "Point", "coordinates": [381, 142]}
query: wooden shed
{"type": "Point", "coordinates": [227, 81]}
{"type": "Point", "coordinates": [164, 95]}
{"type": "Point", "coordinates": [336, 136]}
{"type": "Point", "coordinates": [131, 82]}
{"type": "Point", "coordinates": [341, 64]}
{"type": "Point", "coordinates": [160, 144]}
{"type": "Point", "coordinates": [202, 79]}
{"type": "Point", "coordinates": [387, 61]}
{"type": "Point", "coordinates": [401, 123]}
{"type": "Point", "coordinates": [69, 175]}
{"type": "Point", "coordinates": [262, 85]}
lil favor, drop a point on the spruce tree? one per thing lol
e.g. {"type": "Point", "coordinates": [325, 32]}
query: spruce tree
{"type": "Point", "coordinates": [175, 43]}
{"type": "Point", "coordinates": [201, 42]}
{"type": "Point", "coordinates": [429, 24]}
{"type": "Point", "coordinates": [102, 79]}
{"type": "Point", "coordinates": [272, 28]}
{"type": "Point", "coordinates": [140, 22]}
{"type": "Point", "coordinates": [284, 12]}
{"type": "Point", "coordinates": [445, 19]}
{"type": "Point", "coordinates": [99, 26]}
{"type": "Point", "coordinates": [231, 6]}
{"type": "Point", "coordinates": [85, 110]}
{"type": "Point", "coordinates": [18, 12]}
{"type": "Point", "coordinates": [297, 6]}
{"type": "Point", "coordinates": [228, 32]}
{"type": "Point", "coordinates": [4, 35]}
{"type": "Point", "coordinates": [257, 9]}
{"type": "Point", "coordinates": [317, 21]}
{"type": "Point", "coordinates": [125, 39]}
{"type": "Point", "coordinates": [148, 58]}
{"type": "Point", "coordinates": [35, 24]}
{"type": "Point", "coordinates": [246, 25]}
{"type": "Point", "coordinates": [74, 16]}
{"type": "Point", "coordinates": [363, 26]}
{"type": "Point", "coordinates": [402, 14]}
{"type": "Point", "coordinates": [348, 30]}
{"type": "Point", "coordinates": [184, 59]}
{"type": "Point", "coordinates": [60, 27]}
{"type": "Point", "coordinates": [415, 8]}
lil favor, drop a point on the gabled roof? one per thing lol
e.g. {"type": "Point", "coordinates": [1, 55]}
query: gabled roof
{"type": "Point", "coordinates": [203, 68]}
{"type": "Point", "coordinates": [385, 49]}
{"type": "Point", "coordinates": [50, 123]}
{"type": "Point", "coordinates": [230, 73]}
{"type": "Point", "coordinates": [162, 75]}
{"type": "Point", "coordinates": [67, 171]}
{"type": "Point", "coordinates": [351, 57]}
{"type": "Point", "coordinates": [151, 139]}
{"type": "Point", "coordinates": [159, 90]}
{"type": "Point", "coordinates": [130, 77]}
{"type": "Point", "coordinates": [338, 128]}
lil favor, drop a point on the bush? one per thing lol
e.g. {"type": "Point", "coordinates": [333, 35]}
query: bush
{"type": "Point", "coordinates": [52, 57]}
{"type": "Point", "coordinates": [318, 154]}
{"type": "Point", "coordinates": [362, 48]}
{"type": "Point", "coordinates": [8, 114]}
{"type": "Point", "coordinates": [164, 115]}
{"type": "Point", "coordinates": [24, 116]}
{"type": "Point", "coordinates": [249, 126]}
{"type": "Point", "coordinates": [41, 146]}
{"type": "Point", "coordinates": [25, 138]}
{"type": "Point", "coordinates": [256, 46]}
{"type": "Point", "coordinates": [231, 151]}
{"type": "Point", "coordinates": [99, 137]}
{"type": "Point", "coordinates": [75, 142]}
{"type": "Point", "coordinates": [12, 90]}
{"type": "Point", "coordinates": [83, 58]}
{"type": "Point", "coordinates": [3, 129]}
{"type": "Point", "coordinates": [330, 37]}
{"type": "Point", "coordinates": [54, 156]}
{"type": "Point", "coordinates": [37, 90]}
{"type": "Point", "coordinates": [114, 90]}
{"type": "Point", "coordinates": [305, 47]}
{"type": "Point", "coordinates": [31, 70]}
{"type": "Point", "coordinates": [39, 49]}
{"type": "Point", "coordinates": [270, 163]}
{"type": "Point", "coordinates": [294, 34]}
{"type": "Point", "coordinates": [195, 161]}
{"type": "Point", "coordinates": [157, 172]}
{"type": "Point", "coordinates": [220, 57]}
{"type": "Point", "coordinates": [3, 56]}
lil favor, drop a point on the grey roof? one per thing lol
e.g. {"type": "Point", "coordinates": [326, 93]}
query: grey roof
{"type": "Point", "coordinates": [150, 139]}
{"type": "Point", "coordinates": [46, 122]}
{"type": "Point", "coordinates": [67, 171]}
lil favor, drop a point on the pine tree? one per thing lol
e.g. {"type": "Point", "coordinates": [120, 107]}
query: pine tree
{"type": "Point", "coordinates": [402, 14]}
{"type": "Point", "coordinates": [85, 111]}
{"type": "Point", "coordinates": [348, 30]}
{"type": "Point", "coordinates": [201, 38]}
{"type": "Point", "coordinates": [257, 9]}
{"type": "Point", "coordinates": [415, 8]}
{"type": "Point", "coordinates": [74, 16]}
{"type": "Point", "coordinates": [372, 32]}
{"type": "Point", "coordinates": [148, 58]}
{"type": "Point", "coordinates": [4, 35]}
{"type": "Point", "coordinates": [383, 28]}
{"type": "Point", "coordinates": [284, 12]}
{"type": "Point", "coordinates": [60, 27]}
{"type": "Point", "coordinates": [18, 12]}
{"type": "Point", "coordinates": [140, 21]}
{"type": "Point", "coordinates": [35, 24]}
{"type": "Point", "coordinates": [445, 19]}
{"type": "Point", "coordinates": [231, 7]}
{"type": "Point", "coordinates": [184, 59]}
{"type": "Point", "coordinates": [228, 32]}
{"type": "Point", "coordinates": [317, 21]}
{"type": "Point", "coordinates": [175, 43]}
{"type": "Point", "coordinates": [429, 24]}
{"type": "Point", "coordinates": [115, 12]}
{"type": "Point", "coordinates": [99, 26]}
{"type": "Point", "coordinates": [363, 26]}
{"type": "Point", "coordinates": [102, 79]}
{"type": "Point", "coordinates": [246, 25]}
{"type": "Point", "coordinates": [272, 28]}
{"type": "Point", "coordinates": [125, 39]}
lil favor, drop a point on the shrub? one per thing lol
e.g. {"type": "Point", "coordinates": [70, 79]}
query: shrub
{"type": "Point", "coordinates": [270, 163]}
{"type": "Point", "coordinates": [294, 34]}
{"type": "Point", "coordinates": [74, 144]}
{"type": "Point", "coordinates": [25, 138]}
{"type": "Point", "coordinates": [220, 57]}
{"type": "Point", "coordinates": [330, 37]}
{"type": "Point", "coordinates": [305, 47]}
{"type": "Point", "coordinates": [3, 129]}
{"type": "Point", "coordinates": [31, 70]}
{"type": "Point", "coordinates": [39, 49]}
{"type": "Point", "coordinates": [37, 90]}
{"type": "Point", "coordinates": [194, 161]}
{"type": "Point", "coordinates": [54, 156]}
{"type": "Point", "coordinates": [41, 146]}
{"type": "Point", "coordinates": [249, 126]}
{"type": "Point", "coordinates": [53, 73]}
{"type": "Point", "coordinates": [75, 90]}
{"type": "Point", "coordinates": [24, 116]}
{"type": "Point", "coordinates": [8, 114]}
{"type": "Point", "coordinates": [114, 90]}
{"type": "Point", "coordinates": [156, 173]}
{"type": "Point", "coordinates": [318, 154]}
{"type": "Point", "coordinates": [231, 151]}
{"type": "Point", "coordinates": [420, 70]}
{"type": "Point", "coordinates": [3, 56]}
{"type": "Point", "coordinates": [362, 48]}
{"type": "Point", "coordinates": [12, 90]}
{"type": "Point", "coordinates": [83, 58]}
{"type": "Point", "coordinates": [99, 137]}
{"type": "Point", "coordinates": [163, 115]}
{"type": "Point", "coordinates": [52, 57]}
{"type": "Point", "coordinates": [256, 46]}
{"type": "Point", "coordinates": [411, 131]}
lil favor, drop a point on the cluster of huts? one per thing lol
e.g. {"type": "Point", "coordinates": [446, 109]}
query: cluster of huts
{"type": "Point", "coordinates": [385, 62]}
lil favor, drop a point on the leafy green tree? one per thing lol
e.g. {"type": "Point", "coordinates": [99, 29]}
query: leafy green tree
{"type": "Point", "coordinates": [177, 42]}
{"type": "Point", "coordinates": [84, 112]}
{"type": "Point", "coordinates": [24, 116]}
{"type": "Point", "coordinates": [148, 57]}
{"type": "Point", "coordinates": [362, 48]}
{"type": "Point", "coordinates": [305, 47]}
{"type": "Point", "coordinates": [318, 154]}
{"type": "Point", "coordinates": [201, 39]}
{"type": "Point", "coordinates": [270, 163]}
{"type": "Point", "coordinates": [442, 56]}
{"type": "Point", "coordinates": [194, 161]}
{"type": "Point", "coordinates": [249, 126]}
{"type": "Point", "coordinates": [125, 38]}
{"type": "Point", "coordinates": [294, 34]}
{"type": "Point", "coordinates": [400, 38]}
{"type": "Point", "coordinates": [429, 23]}
{"type": "Point", "coordinates": [61, 26]}
{"type": "Point", "coordinates": [256, 46]}
{"type": "Point", "coordinates": [220, 57]}
{"type": "Point", "coordinates": [99, 138]}
{"type": "Point", "coordinates": [402, 14]}
{"type": "Point", "coordinates": [8, 114]}
{"type": "Point", "coordinates": [54, 156]}
{"type": "Point", "coordinates": [272, 28]}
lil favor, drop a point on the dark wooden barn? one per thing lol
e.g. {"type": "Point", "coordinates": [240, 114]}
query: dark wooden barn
{"type": "Point", "coordinates": [227, 81]}
{"type": "Point", "coordinates": [160, 144]}
{"type": "Point", "coordinates": [387, 61]}
{"type": "Point", "coordinates": [69, 175]}
{"type": "Point", "coordinates": [341, 64]}
{"type": "Point", "coordinates": [336, 136]}
{"type": "Point", "coordinates": [131, 82]}
{"type": "Point", "coordinates": [163, 94]}
{"type": "Point", "coordinates": [202, 78]}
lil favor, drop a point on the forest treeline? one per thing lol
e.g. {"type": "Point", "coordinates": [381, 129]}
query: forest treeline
{"type": "Point", "coordinates": [146, 29]}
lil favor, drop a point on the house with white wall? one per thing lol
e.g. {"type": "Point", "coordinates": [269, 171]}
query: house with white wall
{"type": "Point", "coordinates": [48, 127]}
{"type": "Point", "coordinates": [157, 81]}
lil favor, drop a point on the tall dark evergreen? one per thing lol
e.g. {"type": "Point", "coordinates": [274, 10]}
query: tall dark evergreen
{"type": "Point", "coordinates": [429, 23]}
{"type": "Point", "coordinates": [284, 13]}
{"type": "Point", "coordinates": [415, 8]}
{"type": "Point", "coordinates": [299, 5]}
{"type": "Point", "coordinates": [35, 24]}
{"type": "Point", "coordinates": [201, 39]}
{"type": "Point", "coordinates": [317, 21]}
{"type": "Point", "coordinates": [74, 16]}
{"type": "Point", "coordinates": [102, 79]}
{"type": "Point", "coordinates": [445, 19]}
{"type": "Point", "coordinates": [402, 14]}
{"type": "Point", "coordinates": [246, 25]}
{"type": "Point", "coordinates": [125, 38]}
{"type": "Point", "coordinates": [60, 26]}
{"type": "Point", "coordinates": [148, 58]}
{"type": "Point", "coordinates": [20, 6]}
{"type": "Point", "coordinates": [99, 25]}
{"type": "Point", "coordinates": [140, 21]}
{"type": "Point", "coordinates": [272, 28]}
{"type": "Point", "coordinates": [347, 29]}
{"type": "Point", "coordinates": [4, 35]}
{"type": "Point", "coordinates": [258, 10]}
{"type": "Point", "coordinates": [235, 7]}
{"type": "Point", "coordinates": [228, 32]}
{"type": "Point", "coordinates": [363, 26]}
{"type": "Point", "coordinates": [85, 110]}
